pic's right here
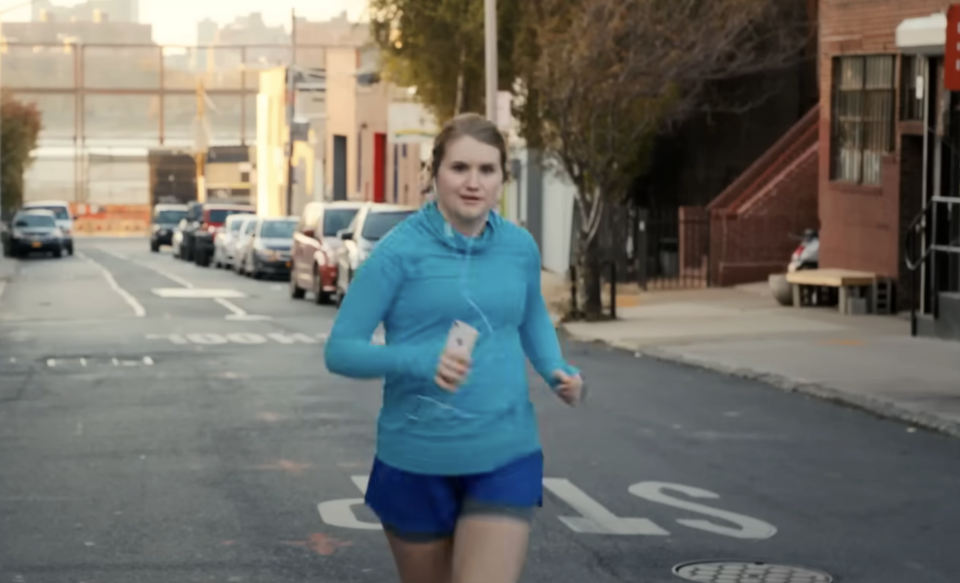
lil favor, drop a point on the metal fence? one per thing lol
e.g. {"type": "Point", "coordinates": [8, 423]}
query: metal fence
{"type": "Point", "coordinates": [675, 249]}
{"type": "Point", "coordinates": [666, 249]}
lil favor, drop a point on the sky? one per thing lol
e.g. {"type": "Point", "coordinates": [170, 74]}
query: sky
{"type": "Point", "coordinates": [175, 21]}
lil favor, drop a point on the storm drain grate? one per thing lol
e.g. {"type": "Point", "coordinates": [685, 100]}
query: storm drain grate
{"type": "Point", "coordinates": [743, 572]}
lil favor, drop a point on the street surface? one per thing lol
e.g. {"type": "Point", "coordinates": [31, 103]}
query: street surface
{"type": "Point", "coordinates": [164, 423]}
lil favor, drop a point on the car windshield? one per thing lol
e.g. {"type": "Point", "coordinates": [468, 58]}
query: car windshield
{"type": "Point", "coordinates": [220, 215]}
{"type": "Point", "coordinates": [34, 221]}
{"type": "Point", "coordinates": [58, 211]}
{"type": "Point", "coordinates": [378, 224]}
{"type": "Point", "coordinates": [169, 217]}
{"type": "Point", "coordinates": [336, 220]}
{"type": "Point", "coordinates": [278, 229]}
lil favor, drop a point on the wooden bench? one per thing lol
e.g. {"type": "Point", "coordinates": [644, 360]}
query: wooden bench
{"type": "Point", "coordinates": [849, 284]}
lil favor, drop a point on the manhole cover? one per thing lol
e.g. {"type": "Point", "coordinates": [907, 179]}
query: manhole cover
{"type": "Point", "coordinates": [742, 572]}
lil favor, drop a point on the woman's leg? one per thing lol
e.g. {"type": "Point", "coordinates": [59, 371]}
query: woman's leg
{"type": "Point", "coordinates": [419, 515]}
{"type": "Point", "coordinates": [422, 562]}
{"type": "Point", "coordinates": [490, 548]}
{"type": "Point", "coordinates": [493, 530]}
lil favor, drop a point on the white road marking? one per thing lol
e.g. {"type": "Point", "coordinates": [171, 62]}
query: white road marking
{"type": "Point", "coordinates": [340, 512]}
{"type": "Point", "coordinates": [115, 362]}
{"type": "Point", "coordinates": [237, 310]}
{"type": "Point", "coordinates": [207, 338]}
{"type": "Point", "coordinates": [196, 293]}
{"type": "Point", "coordinates": [248, 338]}
{"type": "Point", "coordinates": [749, 528]}
{"type": "Point", "coordinates": [594, 517]}
{"type": "Point", "coordinates": [238, 313]}
{"type": "Point", "coordinates": [284, 338]}
{"type": "Point", "coordinates": [83, 362]}
{"type": "Point", "coordinates": [137, 308]}
{"type": "Point", "coordinates": [361, 483]}
{"type": "Point", "coordinates": [147, 361]}
{"type": "Point", "coordinates": [170, 276]}
{"type": "Point", "coordinates": [3, 287]}
{"type": "Point", "coordinates": [148, 265]}
{"type": "Point", "coordinates": [51, 362]}
{"type": "Point", "coordinates": [174, 338]}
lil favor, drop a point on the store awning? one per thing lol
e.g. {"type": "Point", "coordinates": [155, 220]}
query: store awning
{"type": "Point", "coordinates": [924, 35]}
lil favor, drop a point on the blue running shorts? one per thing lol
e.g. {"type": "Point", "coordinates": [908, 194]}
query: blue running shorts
{"type": "Point", "coordinates": [424, 508]}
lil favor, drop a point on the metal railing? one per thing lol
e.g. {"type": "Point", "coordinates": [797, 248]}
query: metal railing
{"type": "Point", "coordinates": [922, 246]}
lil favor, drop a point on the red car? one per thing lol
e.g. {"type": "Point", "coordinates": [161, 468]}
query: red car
{"type": "Point", "coordinates": [315, 241]}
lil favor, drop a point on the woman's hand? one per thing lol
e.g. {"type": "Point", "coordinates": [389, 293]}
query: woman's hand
{"type": "Point", "coordinates": [452, 370]}
{"type": "Point", "coordinates": [569, 387]}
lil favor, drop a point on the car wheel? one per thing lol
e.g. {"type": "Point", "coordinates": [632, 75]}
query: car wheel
{"type": "Point", "coordinates": [296, 292]}
{"type": "Point", "coordinates": [154, 247]}
{"type": "Point", "coordinates": [320, 297]}
{"type": "Point", "coordinates": [58, 253]}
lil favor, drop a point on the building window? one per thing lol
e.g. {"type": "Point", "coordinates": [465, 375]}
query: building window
{"type": "Point", "coordinates": [913, 73]}
{"type": "Point", "coordinates": [864, 93]}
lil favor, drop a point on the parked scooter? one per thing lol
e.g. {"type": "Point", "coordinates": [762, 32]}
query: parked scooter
{"type": "Point", "coordinates": [807, 254]}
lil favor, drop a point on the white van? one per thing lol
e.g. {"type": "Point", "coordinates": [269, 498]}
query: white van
{"type": "Point", "coordinates": [61, 211]}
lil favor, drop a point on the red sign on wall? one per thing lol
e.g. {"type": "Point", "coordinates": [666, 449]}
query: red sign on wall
{"type": "Point", "coordinates": [951, 52]}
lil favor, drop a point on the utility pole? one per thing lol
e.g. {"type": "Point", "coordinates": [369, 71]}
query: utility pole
{"type": "Point", "coordinates": [291, 107]}
{"type": "Point", "coordinates": [490, 56]}
{"type": "Point", "coordinates": [200, 142]}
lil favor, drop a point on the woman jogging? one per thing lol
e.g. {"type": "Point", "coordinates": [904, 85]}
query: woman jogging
{"type": "Point", "coordinates": [458, 470]}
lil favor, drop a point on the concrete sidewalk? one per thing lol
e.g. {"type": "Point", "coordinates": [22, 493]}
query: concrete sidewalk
{"type": "Point", "coordinates": [8, 266]}
{"type": "Point", "coordinates": [867, 361]}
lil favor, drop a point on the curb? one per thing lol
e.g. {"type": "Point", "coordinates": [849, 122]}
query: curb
{"type": "Point", "coordinates": [8, 273]}
{"type": "Point", "coordinates": [878, 406]}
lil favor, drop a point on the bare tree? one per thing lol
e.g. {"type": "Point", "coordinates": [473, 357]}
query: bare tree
{"type": "Point", "coordinates": [608, 75]}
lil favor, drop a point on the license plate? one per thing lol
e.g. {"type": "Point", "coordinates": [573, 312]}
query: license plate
{"type": "Point", "coordinates": [37, 245]}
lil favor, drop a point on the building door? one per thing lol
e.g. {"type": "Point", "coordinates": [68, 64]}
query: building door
{"type": "Point", "coordinates": [379, 167]}
{"type": "Point", "coordinates": [339, 167]}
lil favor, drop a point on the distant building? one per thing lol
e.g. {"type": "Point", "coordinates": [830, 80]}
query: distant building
{"type": "Point", "coordinates": [119, 10]}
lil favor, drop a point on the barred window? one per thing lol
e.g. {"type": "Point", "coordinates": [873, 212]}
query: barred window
{"type": "Point", "coordinates": [864, 93]}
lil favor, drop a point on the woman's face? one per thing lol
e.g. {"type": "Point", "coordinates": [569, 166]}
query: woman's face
{"type": "Point", "coordinates": [469, 181]}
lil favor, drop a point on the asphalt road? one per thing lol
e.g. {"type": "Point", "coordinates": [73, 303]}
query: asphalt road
{"type": "Point", "coordinates": [160, 439]}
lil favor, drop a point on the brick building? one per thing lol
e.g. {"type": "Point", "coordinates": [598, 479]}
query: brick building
{"type": "Point", "coordinates": [888, 140]}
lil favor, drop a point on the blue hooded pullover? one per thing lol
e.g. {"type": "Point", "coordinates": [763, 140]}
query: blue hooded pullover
{"type": "Point", "coordinates": [420, 278]}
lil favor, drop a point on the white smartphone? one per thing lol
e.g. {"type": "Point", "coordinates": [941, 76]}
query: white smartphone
{"type": "Point", "coordinates": [462, 338]}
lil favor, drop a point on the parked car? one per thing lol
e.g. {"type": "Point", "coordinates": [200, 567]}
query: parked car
{"type": "Point", "coordinates": [61, 213]}
{"type": "Point", "coordinates": [371, 224]}
{"type": "Point", "coordinates": [243, 241]}
{"type": "Point", "coordinates": [315, 242]}
{"type": "Point", "coordinates": [166, 217]}
{"type": "Point", "coordinates": [224, 242]}
{"type": "Point", "coordinates": [36, 231]}
{"type": "Point", "coordinates": [203, 219]}
{"type": "Point", "coordinates": [268, 250]}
